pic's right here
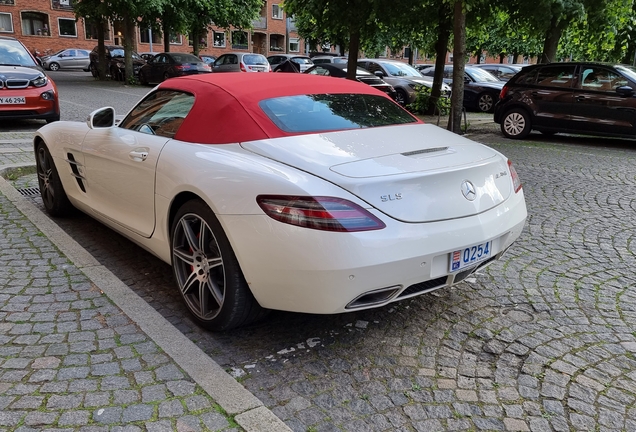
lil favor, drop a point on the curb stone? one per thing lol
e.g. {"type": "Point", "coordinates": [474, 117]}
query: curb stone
{"type": "Point", "coordinates": [248, 410]}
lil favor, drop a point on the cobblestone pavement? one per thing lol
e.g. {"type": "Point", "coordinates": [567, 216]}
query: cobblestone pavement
{"type": "Point", "coordinates": [544, 340]}
{"type": "Point", "coordinates": [71, 360]}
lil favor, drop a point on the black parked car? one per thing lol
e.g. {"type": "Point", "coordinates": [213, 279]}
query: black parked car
{"type": "Point", "coordinates": [575, 97]}
{"type": "Point", "coordinates": [169, 65]}
{"type": "Point", "coordinates": [116, 62]}
{"type": "Point", "coordinates": [481, 88]}
{"type": "Point", "coordinates": [339, 70]}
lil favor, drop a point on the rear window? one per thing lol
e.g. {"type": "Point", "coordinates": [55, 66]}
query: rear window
{"type": "Point", "coordinates": [330, 112]}
{"type": "Point", "coordinates": [254, 59]}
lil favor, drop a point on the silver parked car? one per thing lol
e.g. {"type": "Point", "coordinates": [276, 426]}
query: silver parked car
{"type": "Point", "coordinates": [241, 62]}
{"type": "Point", "coordinates": [71, 58]}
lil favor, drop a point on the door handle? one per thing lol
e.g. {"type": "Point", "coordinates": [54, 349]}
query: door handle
{"type": "Point", "coordinates": [580, 98]}
{"type": "Point", "coordinates": [138, 155]}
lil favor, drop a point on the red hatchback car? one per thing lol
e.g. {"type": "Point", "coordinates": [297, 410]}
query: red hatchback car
{"type": "Point", "coordinates": [25, 90]}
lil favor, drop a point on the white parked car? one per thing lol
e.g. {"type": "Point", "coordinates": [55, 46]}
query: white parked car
{"type": "Point", "coordinates": [285, 191]}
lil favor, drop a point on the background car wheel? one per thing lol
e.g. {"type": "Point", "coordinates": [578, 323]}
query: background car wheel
{"type": "Point", "coordinates": [516, 124]}
{"type": "Point", "coordinates": [54, 198]}
{"type": "Point", "coordinates": [166, 76]}
{"type": "Point", "coordinates": [400, 97]}
{"type": "Point", "coordinates": [54, 67]}
{"type": "Point", "coordinates": [486, 102]}
{"type": "Point", "coordinates": [207, 272]}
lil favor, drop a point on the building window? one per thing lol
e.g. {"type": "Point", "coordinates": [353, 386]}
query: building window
{"type": "Point", "coordinates": [144, 36]}
{"type": "Point", "coordinates": [294, 46]}
{"type": "Point", "coordinates": [67, 27]}
{"type": "Point", "coordinates": [175, 39]}
{"type": "Point", "coordinates": [7, 2]}
{"type": "Point", "coordinates": [219, 39]}
{"type": "Point", "coordinates": [276, 42]}
{"type": "Point", "coordinates": [6, 23]}
{"type": "Point", "coordinates": [62, 4]}
{"type": "Point", "coordinates": [239, 40]}
{"type": "Point", "coordinates": [203, 40]}
{"type": "Point", "coordinates": [90, 30]}
{"type": "Point", "coordinates": [35, 24]}
{"type": "Point", "coordinates": [277, 11]}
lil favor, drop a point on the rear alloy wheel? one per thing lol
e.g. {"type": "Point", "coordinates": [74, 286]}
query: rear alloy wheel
{"type": "Point", "coordinates": [516, 124]}
{"type": "Point", "coordinates": [54, 67]}
{"type": "Point", "coordinates": [207, 271]}
{"type": "Point", "coordinates": [400, 97]}
{"type": "Point", "coordinates": [486, 102]}
{"type": "Point", "coordinates": [54, 198]}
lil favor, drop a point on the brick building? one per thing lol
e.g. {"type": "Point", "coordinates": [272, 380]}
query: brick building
{"type": "Point", "coordinates": [50, 25]}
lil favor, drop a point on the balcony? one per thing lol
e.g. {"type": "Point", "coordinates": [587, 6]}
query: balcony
{"type": "Point", "coordinates": [260, 23]}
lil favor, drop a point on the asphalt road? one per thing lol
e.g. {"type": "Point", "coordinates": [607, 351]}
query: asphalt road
{"type": "Point", "coordinates": [543, 340]}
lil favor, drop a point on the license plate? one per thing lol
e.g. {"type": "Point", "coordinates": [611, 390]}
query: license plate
{"type": "Point", "coordinates": [11, 100]}
{"type": "Point", "coordinates": [469, 256]}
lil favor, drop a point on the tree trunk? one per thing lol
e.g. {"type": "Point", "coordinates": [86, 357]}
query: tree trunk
{"type": "Point", "coordinates": [551, 42]}
{"type": "Point", "coordinates": [478, 53]}
{"type": "Point", "coordinates": [515, 58]}
{"type": "Point", "coordinates": [459, 61]}
{"type": "Point", "coordinates": [441, 48]}
{"type": "Point", "coordinates": [102, 66]}
{"type": "Point", "coordinates": [194, 34]}
{"type": "Point", "coordinates": [352, 61]}
{"type": "Point", "coordinates": [129, 47]}
{"type": "Point", "coordinates": [166, 36]}
{"type": "Point", "coordinates": [501, 57]}
{"type": "Point", "coordinates": [410, 55]}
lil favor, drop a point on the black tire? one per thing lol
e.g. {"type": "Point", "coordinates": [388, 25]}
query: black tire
{"type": "Point", "coordinates": [54, 67]}
{"type": "Point", "coordinates": [53, 119]}
{"type": "Point", "coordinates": [486, 102]}
{"type": "Point", "coordinates": [54, 198]}
{"type": "Point", "coordinates": [516, 124]}
{"type": "Point", "coordinates": [202, 257]}
{"type": "Point", "coordinates": [401, 97]}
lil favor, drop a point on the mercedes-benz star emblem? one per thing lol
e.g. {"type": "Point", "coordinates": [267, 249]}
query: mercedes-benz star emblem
{"type": "Point", "coordinates": [468, 190]}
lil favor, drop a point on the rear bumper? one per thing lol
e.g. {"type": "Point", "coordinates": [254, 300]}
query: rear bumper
{"type": "Point", "coordinates": [303, 270]}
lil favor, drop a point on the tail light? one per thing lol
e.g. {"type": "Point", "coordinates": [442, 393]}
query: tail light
{"type": "Point", "coordinates": [319, 213]}
{"type": "Point", "coordinates": [242, 67]}
{"type": "Point", "coordinates": [516, 181]}
{"type": "Point", "coordinates": [503, 92]}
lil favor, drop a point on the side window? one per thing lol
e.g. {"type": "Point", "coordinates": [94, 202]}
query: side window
{"type": "Point", "coordinates": [597, 78]}
{"type": "Point", "coordinates": [374, 67]}
{"type": "Point", "coordinates": [556, 76]}
{"type": "Point", "coordinates": [161, 113]}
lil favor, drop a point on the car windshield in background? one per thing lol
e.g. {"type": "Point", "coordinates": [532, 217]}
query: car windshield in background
{"type": "Point", "coordinates": [12, 53]}
{"type": "Point", "coordinates": [480, 75]}
{"type": "Point", "coordinates": [254, 59]}
{"type": "Point", "coordinates": [331, 112]}
{"type": "Point", "coordinates": [628, 71]}
{"type": "Point", "coordinates": [118, 52]}
{"type": "Point", "coordinates": [399, 69]}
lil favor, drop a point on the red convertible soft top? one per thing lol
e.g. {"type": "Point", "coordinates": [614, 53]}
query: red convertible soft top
{"type": "Point", "coordinates": [226, 104]}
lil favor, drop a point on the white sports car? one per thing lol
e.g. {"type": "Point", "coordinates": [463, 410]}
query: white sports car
{"type": "Point", "coordinates": [285, 191]}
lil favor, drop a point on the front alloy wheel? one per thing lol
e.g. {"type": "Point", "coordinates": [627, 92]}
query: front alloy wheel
{"type": "Point", "coordinates": [207, 271]}
{"type": "Point", "coordinates": [54, 198]}
{"type": "Point", "coordinates": [486, 102]}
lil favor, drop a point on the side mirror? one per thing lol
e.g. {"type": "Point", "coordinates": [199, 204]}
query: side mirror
{"type": "Point", "coordinates": [625, 91]}
{"type": "Point", "coordinates": [101, 118]}
{"type": "Point", "coordinates": [379, 74]}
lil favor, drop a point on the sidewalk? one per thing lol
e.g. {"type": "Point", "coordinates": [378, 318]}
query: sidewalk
{"type": "Point", "coordinates": [81, 352]}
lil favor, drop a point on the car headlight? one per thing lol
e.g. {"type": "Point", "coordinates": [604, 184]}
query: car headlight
{"type": "Point", "coordinates": [48, 95]}
{"type": "Point", "coordinates": [39, 81]}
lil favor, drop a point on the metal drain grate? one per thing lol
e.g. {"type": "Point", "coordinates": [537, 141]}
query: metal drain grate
{"type": "Point", "coordinates": [30, 192]}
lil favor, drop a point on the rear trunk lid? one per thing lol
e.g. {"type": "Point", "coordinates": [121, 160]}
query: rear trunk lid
{"type": "Point", "coordinates": [413, 173]}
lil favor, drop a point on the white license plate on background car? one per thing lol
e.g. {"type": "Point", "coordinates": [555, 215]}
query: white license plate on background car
{"type": "Point", "coordinates": [10, 100]}
{"type": "Point", "coordinates": [471, 255]}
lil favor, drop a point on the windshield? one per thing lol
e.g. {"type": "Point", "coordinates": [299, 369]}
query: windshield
{"type": "Point", "coordinates": [13, 53]}
{"type": "Point", "coordinates": [628, 71]}
{"type": "Point", "coordinates": [481, 75]}
{"type": "Point", "coordinates": [330, 112]}
{"type": "Point", "coordinates": [118, 52]}
{"type": "Point", "coordinates": [401, 69]}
